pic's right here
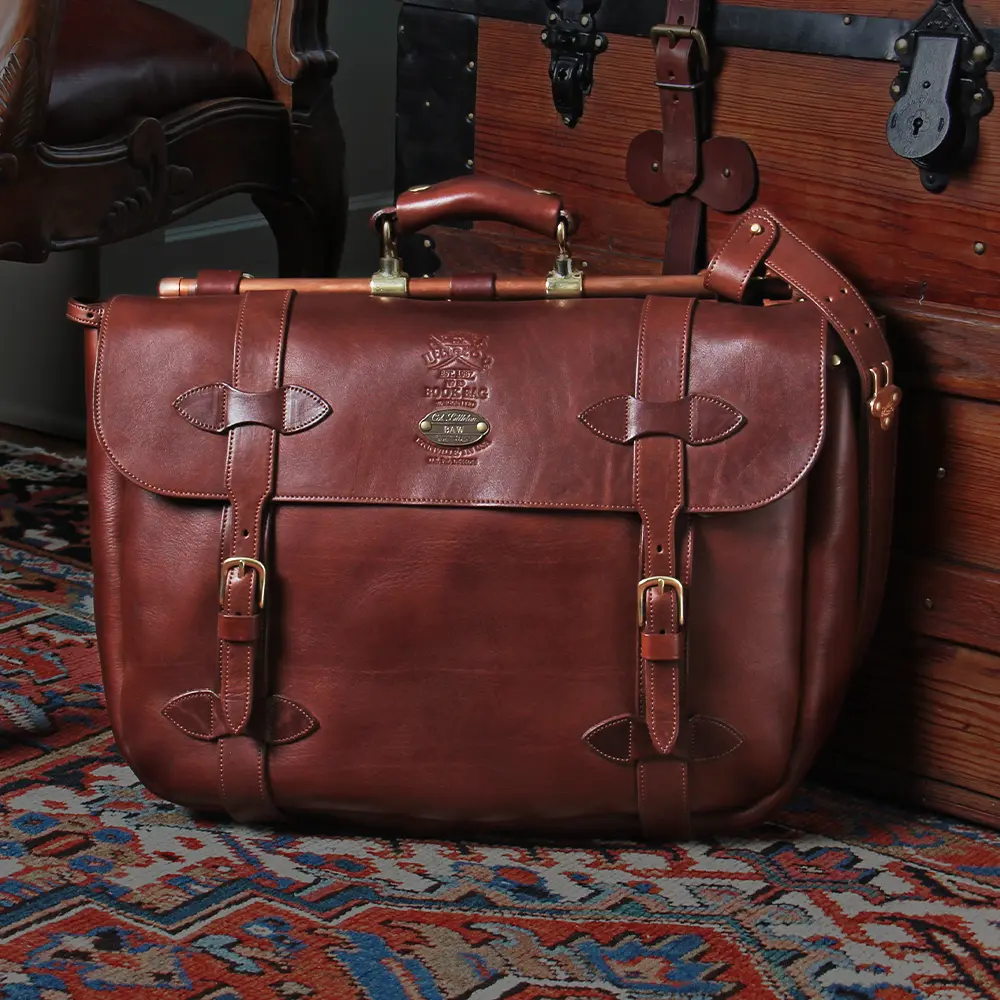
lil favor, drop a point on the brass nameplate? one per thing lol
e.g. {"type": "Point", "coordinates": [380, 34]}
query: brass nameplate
{"type": "Point", "coordinates": [454, 428]}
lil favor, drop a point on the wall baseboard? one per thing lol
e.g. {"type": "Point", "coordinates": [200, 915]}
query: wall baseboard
{"type": "Point", "coordinates": [43, 421]}
{"type": "Point", "coordinates": [241, 223]}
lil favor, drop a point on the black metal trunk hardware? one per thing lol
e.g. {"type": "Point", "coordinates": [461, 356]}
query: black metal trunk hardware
{"type": "Point", "coordinates": [571, 35]}
{"type": "Point", "coordinates": [940, 93]}
{"type": "Point", "coordinates": [438, 65]}
{"type": "Point", "coordinates": [775, 29]}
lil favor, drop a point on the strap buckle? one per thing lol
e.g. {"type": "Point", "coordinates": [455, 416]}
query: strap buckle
{"type": "Point", "coordinates": [660, 583]}
{"type": "Point", "coordinates": [243, 563]}
{"type": "Point", "coordinates": [673, 33]}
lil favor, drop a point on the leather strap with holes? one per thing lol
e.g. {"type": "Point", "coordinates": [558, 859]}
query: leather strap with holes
{"type": "Point", "coordinates": [659, 498]}
{"type": "Point", "coordinates": [680, 165]}
{"type": "Point", "coordinates": [250, 478]}
{"type": "Point", "coordinates": [760, 240]}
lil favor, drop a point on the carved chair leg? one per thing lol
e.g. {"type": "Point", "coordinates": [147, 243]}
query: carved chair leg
{"type": "Point", "coordinates": [309, 219]}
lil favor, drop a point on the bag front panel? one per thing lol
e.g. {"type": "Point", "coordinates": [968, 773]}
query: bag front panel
{"type": "Point", "coordinates": [454, 660]}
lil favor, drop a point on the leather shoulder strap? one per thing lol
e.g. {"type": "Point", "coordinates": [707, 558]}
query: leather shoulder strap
{"type": "Point", "coordinates": [760, 239]}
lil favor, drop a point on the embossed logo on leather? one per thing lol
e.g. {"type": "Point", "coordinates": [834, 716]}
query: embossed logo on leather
{"type": "Point", "coordinates": [458, 360]}
{"type": "Point", "coordinates": [454, 428]}
{"type": "Point", "coordinates": [454, 434]}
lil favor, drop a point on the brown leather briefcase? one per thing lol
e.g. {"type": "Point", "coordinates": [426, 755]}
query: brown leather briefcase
{"type": "Point", "coordinates": [577, 555]}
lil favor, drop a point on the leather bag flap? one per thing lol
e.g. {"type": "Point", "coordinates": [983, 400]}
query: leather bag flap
{"type": "Point", "coordinates": [526, 370]}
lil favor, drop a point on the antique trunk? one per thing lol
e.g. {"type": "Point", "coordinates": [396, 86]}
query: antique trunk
{"type": "Point", "coordinates": [817, 96]}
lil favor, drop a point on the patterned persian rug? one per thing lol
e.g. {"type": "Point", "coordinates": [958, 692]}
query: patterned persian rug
{"type": "Point", "coordinates": [106, 891]}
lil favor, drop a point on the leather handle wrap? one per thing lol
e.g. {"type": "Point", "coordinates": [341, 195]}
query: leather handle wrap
{"type": "Point", "coordinates": [478, 199]}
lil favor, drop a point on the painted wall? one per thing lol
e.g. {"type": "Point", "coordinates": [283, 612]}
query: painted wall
{"type": "Point", "coordinates": [41, 374]}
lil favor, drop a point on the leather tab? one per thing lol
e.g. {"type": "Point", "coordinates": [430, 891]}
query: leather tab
{"type": "Point", "coordinates": [623, 739]}
{"type": "Point", "coordinates": [473, 287]}
{"type": "Point", "coordinates": [199, 714]}
{"type": "Point", "coordinates": [711, 739]}
{"type": "Point", "coordinates": [287, 721]}
{"type": "Point", "coordinates": [240, 628]}
{"type": "Point", "coordinates": [697, 419]}
{"type": "Point", "coordinates": [87, 314]}
{"type": "Point", "coordinates": [219, 407]}
{"type": "Point", "coordinates": [666, 647]}
{"type": "Point", "coordinates": [216, 282]}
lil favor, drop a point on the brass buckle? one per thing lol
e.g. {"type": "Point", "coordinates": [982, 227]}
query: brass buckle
{"type": "Point", "coordinates": [674, 32]}
{"type": "Point", "coordinates": [660, 583]}
{"type": "Point", "coordinates": [243, 562]}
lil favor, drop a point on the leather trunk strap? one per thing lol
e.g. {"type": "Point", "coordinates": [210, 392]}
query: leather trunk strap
{"type": "Point", "coordinates": [685, 236]}
{"type": "Point", "coordinates": [659, 497]}
{"type": "Point", "coordinates": [761, 240]}
{"type": "Point", "coordinates": [250, 476]}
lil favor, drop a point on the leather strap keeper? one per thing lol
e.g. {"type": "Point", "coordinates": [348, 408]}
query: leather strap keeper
{"type": "Point", "coordinates": [240, 628]}
{"type": "Point", "coordinates": [664, 647]}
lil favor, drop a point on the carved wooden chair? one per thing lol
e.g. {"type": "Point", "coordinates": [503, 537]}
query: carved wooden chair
{"type": "Point", "coordinates": [117, 118]}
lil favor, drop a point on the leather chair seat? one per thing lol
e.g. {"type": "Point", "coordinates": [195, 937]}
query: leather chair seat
{"type": "Point", "coordinates": [119, 59]}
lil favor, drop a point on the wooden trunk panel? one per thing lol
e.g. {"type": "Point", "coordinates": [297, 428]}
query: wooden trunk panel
{"type": "Point", "coordinates": [817, 128]}
{"type": "Point", "coordinates": [927, 708]}
{"type": "Point", "coordinates": [948, 491]}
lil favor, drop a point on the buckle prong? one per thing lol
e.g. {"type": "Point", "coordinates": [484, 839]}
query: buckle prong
{"type": "Point", "coordinates": [242, 563]}
{"type": "Point", "coordinates": [674, 32]}
{"type": "Point", "coordinates": [660, 583]}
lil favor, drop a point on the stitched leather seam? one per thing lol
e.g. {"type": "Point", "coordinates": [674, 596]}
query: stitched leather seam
{"type": "Point", "coordinates": [718, 722]}
{"type": "Point", "coordinates": [187, 697]}
{"type": "Point", "coordinates": [303, 424]}
{"type": "Point", "coordinates": [648, 669]}
{"type": "Point", "coordinates": [794, 481]}
{"type": "Point", "coordinates": [214, 428]}
{"type": "Point", "coordinates": [608, 725]}
{"type": "Point", "coordinates": [607, 437]}
{"type": "Point", "coordinates": [302, 712]}
{"type": "Point", "coordinates": [738, 232]}
{"type": "Point", "coordinates": [711, 438]}
{"type": "Point", "coordinates": [431, 501]}
{"type": "Point", "coordinates": [671, 563]}
{"type": "Point", "coordinates": [247, 664]}
{"type": "Point", "coordinates": [853, 297]}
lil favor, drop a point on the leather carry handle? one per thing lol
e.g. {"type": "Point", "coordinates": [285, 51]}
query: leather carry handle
{"type": "Point", "coordinates": [477, 199]}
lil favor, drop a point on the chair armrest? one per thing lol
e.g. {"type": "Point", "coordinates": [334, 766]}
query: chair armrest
{"type": "Point", "coordinates": [288, 40]}
{"type": "Point", "coordinates": [27, 53]}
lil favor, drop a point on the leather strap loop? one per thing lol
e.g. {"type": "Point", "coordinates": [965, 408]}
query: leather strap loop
{"type": "Point", "coordinates": [216, 282]}
{"type": "Point", "coordinates": [696, 419]}
{"type": "Point", "coordinates": [89, 314]}
{"type": "Point", "coordinates": [220, 407]}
